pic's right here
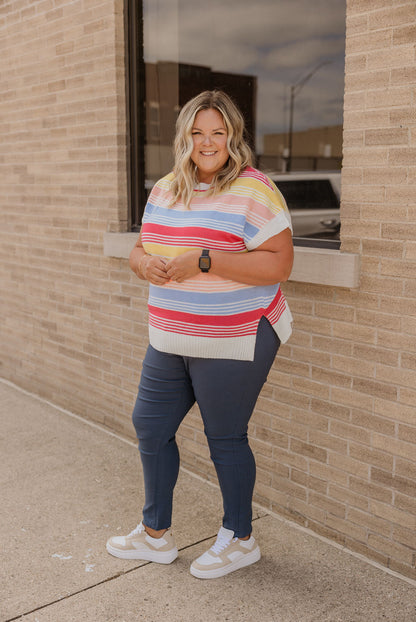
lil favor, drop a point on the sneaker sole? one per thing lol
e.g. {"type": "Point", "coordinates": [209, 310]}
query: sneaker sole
{"type": "Point", "coordinates": [161, 557]}
{"type": "Point", "coordinates": [216, 573]}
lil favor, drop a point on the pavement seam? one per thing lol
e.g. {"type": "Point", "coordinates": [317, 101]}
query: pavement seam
{"type": "Point", "coordinates": [122, 573]}
{"type": "Point", "coordinates": [269, 512]}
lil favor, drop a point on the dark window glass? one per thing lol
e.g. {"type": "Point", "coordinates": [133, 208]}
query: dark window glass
{"type": "Point", "coordinates": [281, 60]}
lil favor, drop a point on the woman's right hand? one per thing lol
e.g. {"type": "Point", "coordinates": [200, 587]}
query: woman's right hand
{"type": "Point", "coordinates": [149, 267]}
{"type": "Point", "coordinates": [153, 269]}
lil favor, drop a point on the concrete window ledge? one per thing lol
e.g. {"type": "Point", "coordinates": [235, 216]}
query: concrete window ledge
{"type": "Point", "coordinates": [320, 266]}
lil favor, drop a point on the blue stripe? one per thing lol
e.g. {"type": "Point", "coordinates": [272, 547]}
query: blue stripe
{"type": "Point", "coordinates": [215, 303]}
{"type": "Point", "coordinates": [221, 221]}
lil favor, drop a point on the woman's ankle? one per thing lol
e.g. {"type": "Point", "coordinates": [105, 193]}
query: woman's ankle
{"type": "Point", "coordinates": [154, 533]}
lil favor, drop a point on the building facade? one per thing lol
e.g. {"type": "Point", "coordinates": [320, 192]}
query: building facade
{"type": "Point", "coordinates": [334, 430]}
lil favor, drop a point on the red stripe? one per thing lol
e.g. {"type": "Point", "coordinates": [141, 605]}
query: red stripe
{"type": "Point", "coordinates": [205, 320]}
{"type": "Point", "coordinates": [187, 233]}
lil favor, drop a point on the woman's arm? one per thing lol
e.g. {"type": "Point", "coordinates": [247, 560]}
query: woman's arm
{"type": "Point", "coordinates": [269, 263]}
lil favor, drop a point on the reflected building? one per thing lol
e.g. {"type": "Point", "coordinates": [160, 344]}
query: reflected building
{"type": "Point", "coordinates": [313, 149]}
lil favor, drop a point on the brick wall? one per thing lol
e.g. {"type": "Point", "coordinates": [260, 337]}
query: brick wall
{"type": "Point", "coordinates": [68, 328]}
{"type": "Point", "coordinates": [335, 428]}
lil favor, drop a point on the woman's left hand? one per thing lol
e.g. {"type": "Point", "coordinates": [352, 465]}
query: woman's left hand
{"type": "Point", "coordinates": [184, 266]}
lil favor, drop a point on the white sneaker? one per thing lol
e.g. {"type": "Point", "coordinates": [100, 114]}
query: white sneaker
{"type": "Point", "coordinates": [139, 545]}
{"type": "Point", "coordinates": [226, 555]}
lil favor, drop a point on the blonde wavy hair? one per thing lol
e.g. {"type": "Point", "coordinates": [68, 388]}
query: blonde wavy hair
{"type": "Point", "coordinates": [240, 156]}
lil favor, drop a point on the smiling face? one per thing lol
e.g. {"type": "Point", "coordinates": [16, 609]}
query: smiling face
{"type": "Point", "coordinates": [209, 136]}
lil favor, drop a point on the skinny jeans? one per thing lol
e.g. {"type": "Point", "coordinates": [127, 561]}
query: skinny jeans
{"type": "Point", "coordinates": [226, 391]}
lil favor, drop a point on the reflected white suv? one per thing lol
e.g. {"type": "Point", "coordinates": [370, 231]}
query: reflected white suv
{"type": "Point", "coordinates": [313, 201]}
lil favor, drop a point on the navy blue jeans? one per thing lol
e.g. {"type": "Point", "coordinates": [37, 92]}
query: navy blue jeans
{"type": "Point", "coordinates": [226, 392]}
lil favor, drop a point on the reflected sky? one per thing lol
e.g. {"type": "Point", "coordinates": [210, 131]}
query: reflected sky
{"type": "Point", "coordinates": [279, 41]}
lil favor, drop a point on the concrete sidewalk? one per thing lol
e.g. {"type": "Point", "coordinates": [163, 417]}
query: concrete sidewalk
{"type": "Point", "coordinates": [68, 485]}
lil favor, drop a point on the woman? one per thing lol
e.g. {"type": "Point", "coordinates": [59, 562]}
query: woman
{"type": "Point", "coordinates": [214, 245]}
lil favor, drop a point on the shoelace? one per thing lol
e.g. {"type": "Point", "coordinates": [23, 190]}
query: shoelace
{"type": "Point", "coordinates": [137, 530]}
{"type": "Point", "coordinates": [221, 544]}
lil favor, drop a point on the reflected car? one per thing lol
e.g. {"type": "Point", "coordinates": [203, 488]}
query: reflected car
{"type": "Point", "coordinates": [313, 199]}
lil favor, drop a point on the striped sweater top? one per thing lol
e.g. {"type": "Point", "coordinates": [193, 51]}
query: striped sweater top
{"type": "Point", "coordinates": [208, 316]}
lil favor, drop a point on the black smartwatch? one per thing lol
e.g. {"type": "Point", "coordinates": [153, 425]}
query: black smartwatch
{"type": "Point", "coordinates": [205, 261]}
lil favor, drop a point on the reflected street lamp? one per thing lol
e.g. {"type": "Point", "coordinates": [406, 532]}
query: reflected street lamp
{"type": "Point", "coordinates": [294, 90]}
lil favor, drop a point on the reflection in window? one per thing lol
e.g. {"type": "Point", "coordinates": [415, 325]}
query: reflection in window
{"type": "Point", "coordinates": [281, 60]}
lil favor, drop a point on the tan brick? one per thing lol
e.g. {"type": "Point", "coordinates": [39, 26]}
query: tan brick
{"type": "Point", "coordinates": [354, 332]}
{"type": "Point", "coordinates": [368, 41]}
{"type": "Point", "coordinates": [357, 7]}
{"type": "Point", "coordinates": [346, 431]}
{"type": "Point", "coordinates": [346, 528]}
{"type": "Point", "coordinates": [391, 16]}
{"type": "Point", "coordinates": [403, 76]}
{"type": "Point", "coordinates": [331, 506]}
{"type": "Point", "coordinates": [310, 388]}
{"type": "Point", "coordinates": [270, 436]}
{"type": "Point", "coordinates": [341, 312]}
{"type": "Point", "coordinates": [373, 284]}
{"type": "Point", "coordinates": [352, 399]}
{"type": "Point", "coordinates": [402, 156]}
{"type": "Point", "coordinates": [405, 536]}
{"type": "Point", "coordinates": [376, 319]}
{"type": "Point", "coordinates": [308, 450]}
{"type": "Point", "coordinates": [405, 34]}
{"type": "Point", "coordinates": [375, 355]}
{"type": "Point", "coordinates": [329, 409]}
{"type": "Point", "coordinates": [371, 522]}
{"type": "Point", "coordinates": [348, 464]}
{"type": "Point", "coordinates": [390, 548]}
{"type": "Point", "coordinates": [393, 57]}
{"type": "Point", "coordinates": [410, 250]}
{"type": "Point", "coordinates": [402, 484]}
{"type": "Point", "coordinates": [302, 509]}
{"type": "Point", "coordinates": [329, 344]}
{"type": "Point", "coordinates": [367, 120]}
{"type": "Point", "coordinates": [393, 446]}
{"type": "Point", "coordinates": [290, 459]}
{"type": "Point", "coordinates": [353, 138]}
{"type": "Point", "coordinates": [356, 24]}
{"type": "Point", "coordinates": [331, 377]}
{"type": "Point", "coordinates": [406, 468]}
{"type": "Point", "coordinates": [328, 441]}
{"type": "Point", "coordinates": [355, 63]}
{"type": "Point", "coordinates": [379, 175]}
{"type": "Point", "coordinates": [290, 428]}
{"type": "Point", "coordinates": [370, 421]}
{"type": "Point", "coordinates": [408, 433]}
{"type": "Point", "coordinates": [371, 491]}
{"type": "Point", "coordinates": [403, 377]}
{"type": "Point", "coordinates": [390, 136]}
{"type": "Point", "coordinates": [314, 357]}
{"type": "Point", "coordinates": [409, 325]}
{"type": "Point", "coordinates": [371, 456]}
{"type": "Point", "coordinates": [389, 97]}
{"type": "Point", "coordinates": [348, 496]}
{"type": "Point", "coordinates": [405, 503]}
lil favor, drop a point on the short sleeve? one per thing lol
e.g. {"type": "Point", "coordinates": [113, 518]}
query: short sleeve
{"type": "Point", "coordinates": [267, 213]}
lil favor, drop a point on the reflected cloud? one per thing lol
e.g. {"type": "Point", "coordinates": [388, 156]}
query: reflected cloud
{"type": "Point", "coordinates": [278, 41]}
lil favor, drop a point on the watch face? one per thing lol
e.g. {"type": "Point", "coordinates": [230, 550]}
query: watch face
{"type": "Point", "coordinates": [204, 263]}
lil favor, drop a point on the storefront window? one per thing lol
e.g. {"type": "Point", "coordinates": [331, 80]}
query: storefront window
{"type": "Point", "coordinates": [283, 63]}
